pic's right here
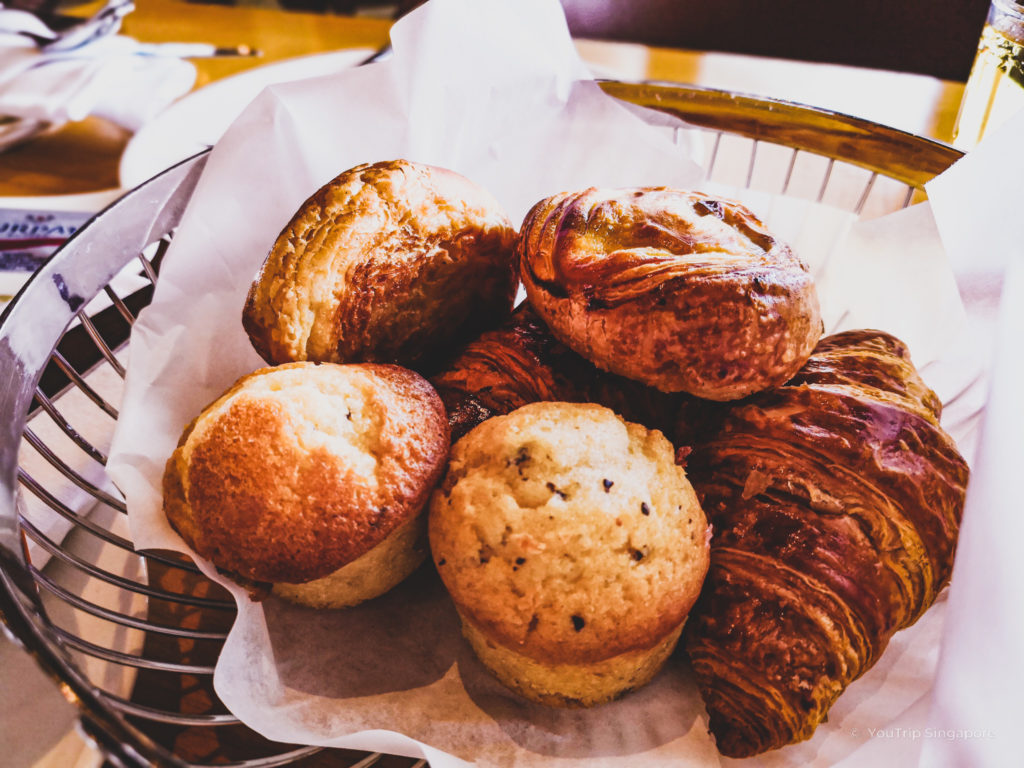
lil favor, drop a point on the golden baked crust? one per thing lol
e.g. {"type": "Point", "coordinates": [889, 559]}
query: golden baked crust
{"type": "Point", "coordinates": [373, 573]}
{"type": "Point", "coordinates": [570, 685]}
{"type": "Point", "coordinates": [567, 534]}
{"type": "Point", "coordinates": [300, 469]}
{"type": "Point", "coordinates": [672, 288]}
{"type": "Point", "coordinates": [836, 502]}
{"type": "Point", "coordinates": [389, 262]}
{"type": "Point", "coordinates": [521, 363]}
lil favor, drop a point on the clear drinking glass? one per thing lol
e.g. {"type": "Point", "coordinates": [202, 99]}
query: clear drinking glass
{"type": "Point", "coordinates": [995, 88]}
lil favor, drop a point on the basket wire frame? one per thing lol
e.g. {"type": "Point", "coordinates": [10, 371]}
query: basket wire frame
{"type": "Point", "coordinates": [110, 623]}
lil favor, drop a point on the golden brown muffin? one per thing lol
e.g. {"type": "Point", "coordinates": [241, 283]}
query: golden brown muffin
{"type": "Point", "coordinates": [675, 289]}
{"type": "Point", "coordinates": [313, 476]}
{"type": "Point", "coordinates": [391, 262]}
{"type": "Point", "coordinates": [836, 502]}
{"type": "Point", "coordinates": [573, 547]}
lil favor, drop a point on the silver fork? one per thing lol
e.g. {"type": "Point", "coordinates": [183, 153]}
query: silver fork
{"type": "Point", "coordinates": [65, 33]}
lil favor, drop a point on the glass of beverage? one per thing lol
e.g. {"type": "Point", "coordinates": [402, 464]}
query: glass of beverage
{"type": "Point", "coordinates": [995, 88]}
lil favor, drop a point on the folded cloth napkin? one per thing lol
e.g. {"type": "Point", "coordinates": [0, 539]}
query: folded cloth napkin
{"type": "Point", "coordinates": [114, 77]}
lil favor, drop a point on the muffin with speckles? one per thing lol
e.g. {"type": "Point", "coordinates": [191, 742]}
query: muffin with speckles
{"type": "Point", "coordinates": [573, 547]}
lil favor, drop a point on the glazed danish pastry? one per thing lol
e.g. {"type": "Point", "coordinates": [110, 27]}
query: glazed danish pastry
{"type": "Point", "coordinates": [394, 262]}
{"type": "Point", "coordinates": [835, 502]}
{"type": "Point", "coordinates": [672, 288]}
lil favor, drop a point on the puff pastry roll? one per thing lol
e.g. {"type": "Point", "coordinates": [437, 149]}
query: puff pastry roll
{"type": "Point", "coordinates": [521, 363]}
{"type": "Point", "coordinates": [394, 262]}
{"type": "Point", "coordinates": [676, 289]}
{"type": "Point", "coordinates": [835, 502]}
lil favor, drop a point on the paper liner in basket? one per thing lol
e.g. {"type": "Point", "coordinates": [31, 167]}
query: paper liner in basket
{"type": "Point", "coordinates": [495, 91]}
{"type": "Point", "coordinates": [974, 713]}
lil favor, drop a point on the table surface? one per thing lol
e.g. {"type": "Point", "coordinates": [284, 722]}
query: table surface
{"type": "Point", "coordinates": [83, 157]}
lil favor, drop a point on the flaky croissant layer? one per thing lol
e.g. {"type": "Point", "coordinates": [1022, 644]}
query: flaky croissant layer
{"type": "Point", "coordinates": [680, 291]}
{"type": "Point", "coordinates": [521, 362]}
{"type": "Point", "coordinates": [836, 502]}
{"type": "Point", "coordinates": [391, 262]}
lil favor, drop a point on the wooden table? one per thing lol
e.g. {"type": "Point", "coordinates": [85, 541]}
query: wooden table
{"type": "Point", "coordinates": [83, 157]}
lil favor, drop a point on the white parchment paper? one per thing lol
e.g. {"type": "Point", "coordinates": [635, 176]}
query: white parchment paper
{"type": "Point", "coordinates": [495, 91]}
{"type": "Point", "coordinates": [974, 714]}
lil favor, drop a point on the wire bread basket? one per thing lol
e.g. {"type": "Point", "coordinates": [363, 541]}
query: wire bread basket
{"type": "Point", "coordinates": [133, 637]}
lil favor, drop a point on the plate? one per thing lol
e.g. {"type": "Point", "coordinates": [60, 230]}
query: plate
{"type": "Point", "coordinates": [196, 121]}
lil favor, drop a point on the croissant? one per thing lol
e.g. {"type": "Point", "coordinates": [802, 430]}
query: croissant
{"type": "Point", "coordinates": [521, 362]}
{"type": "Point", "coordinates": [678, 290]}
{"type": "Point", "coordinates": [835, 502]}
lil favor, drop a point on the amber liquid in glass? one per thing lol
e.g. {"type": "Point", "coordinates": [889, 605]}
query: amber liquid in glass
{"type": "Point", "coordinates": [995, 89]}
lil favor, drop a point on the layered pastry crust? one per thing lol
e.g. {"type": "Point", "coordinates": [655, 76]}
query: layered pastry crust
{"type": "Point", "coordinates": [680, 291]}
{"type": "Point", "coordinates": [521, 363]}
{"type": "Point", "coordinates": [390, 262]}
{"type": "Point", "coordinates": [836, 502]}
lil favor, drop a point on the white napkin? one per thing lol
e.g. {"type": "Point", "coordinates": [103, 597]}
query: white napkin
{"type": "Point", "coordinates": [114, 77]}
